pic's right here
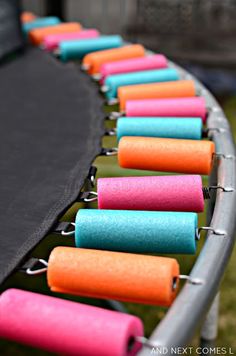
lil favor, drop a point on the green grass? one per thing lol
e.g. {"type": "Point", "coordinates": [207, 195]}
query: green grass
{"type": "Point", "coordinates": [150, 315]}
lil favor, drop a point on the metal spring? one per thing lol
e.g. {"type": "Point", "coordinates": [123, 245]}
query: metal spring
{"type": "Point", "coordinates": [206, 193]}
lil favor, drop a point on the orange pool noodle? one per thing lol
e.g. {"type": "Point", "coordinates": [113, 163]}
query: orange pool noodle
{"type": "Point", "coordinates": [96, 59]}
{"type": "Point", "coordinates": [27, 17]}
{"type": "Point", "coordinates": [113, 275]}
{"type": "Point", "coordinates": [176, 89]}
{"type": "Point", "coordinates": [167, 155]}
{"type": "Point", "coordinates": [37, 35]}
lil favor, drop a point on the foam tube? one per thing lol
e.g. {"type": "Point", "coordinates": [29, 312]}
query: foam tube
{"type": "Point", "coordinates": [51, 42]}
{"type": "Point", "coordinates": [113, 82]}
{"type": "Point", "coordinates": [163, 193]}
{"type": "Point", "coordinates": [176, 89]}
{"type": "Point", "coordinates": [187, 128]}
{"type": "Point", "coordinates": [78, 49]}
{"type": "Point", "coordinates": [190, 107]}
{"type": "Point", "coordinates": [40, 22]}
{"type": "Point", "coordinates": [136, 231]}
{"type": "Point", "coordinates": [27, 17]}
{"type": "Point", "coordinates": [65, 327]}
{"type": "Point", "coordinates": [166, 154]}
{"type": "Point", "coordinates": [37, 35]}
{"type": "Point", "coordinates": [157, 61]}
{"type": "Point", "coordinates": [113, 275]}
{"type": "Point", "coordinates": [95, 60]}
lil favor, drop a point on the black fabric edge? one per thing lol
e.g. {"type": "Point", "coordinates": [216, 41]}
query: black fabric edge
{"type": "Point", "coordinates": [72, 189]}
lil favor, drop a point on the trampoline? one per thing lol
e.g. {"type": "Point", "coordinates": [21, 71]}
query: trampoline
{"type": "Point", "coordinates": [53, 118]}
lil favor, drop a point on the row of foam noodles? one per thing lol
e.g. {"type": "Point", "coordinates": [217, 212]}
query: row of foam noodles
{"type": "Point", "coordinates": [94, 60]}
{"type": "Point", "coordinates": [77, 49]}
{"type": "Point", "coordinates": [92, 270]}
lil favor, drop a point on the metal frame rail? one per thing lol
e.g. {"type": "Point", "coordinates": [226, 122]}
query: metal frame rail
{"type": "Point", "coordinates": [193, 302]}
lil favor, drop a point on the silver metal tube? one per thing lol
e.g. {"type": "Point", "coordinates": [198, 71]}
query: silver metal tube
{"type": "Point", "coordinates": [209, 328]}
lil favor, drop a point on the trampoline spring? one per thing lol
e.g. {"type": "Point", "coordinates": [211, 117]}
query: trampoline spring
{"type": "Point", "coordinates": [68, 233]}
{"type": "Point", "coordinates": [114, 115]}
{"type": "Point", "coordinates": [87, 197]}
{"type": "Point", "coordinates": [92, 175]}
{"type": "Point", "coordinates": [214, 109]}
{"type": "Point", "coordinates": [208, 228]}
{"type": "Point", "coordinates": [192, 280]}
{"type": "Point", "coordinates": [40, 270]}
{"type": "Point", "coordinates": [224, 189]}
{"type": "Point", "coordinates": [146, 342]}
{"type": "Point", "coordinates": [198, 92]}
{"type": "Point", "coordinates": [92, 196]}
{"type": "Point", "coordinates": [206, 193]}
{"type": "Point", "coordinates": [57, 52]}
{"type": "Point", "coordinates": [113, 101]}
{"type": "Point", "coordinates": [84, 67]}
{"type": "Point", "coordinates": [207, 131]}
{"type": "Point", "coordinates": [111, 132]}
{"type": "Point", "coordinates": [97, 77]}
{"type": "Point", "coordinates": [109, 151]}
{"type": "Point", "coordinates": [207, 190]}
{"type": "Point", "coordinates": [225, 156]}
{"type": "Point", "coordinates": [104, 89]}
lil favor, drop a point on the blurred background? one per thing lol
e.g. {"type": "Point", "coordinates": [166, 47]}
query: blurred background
{"type": "Point", "coordinates": [200, 36]}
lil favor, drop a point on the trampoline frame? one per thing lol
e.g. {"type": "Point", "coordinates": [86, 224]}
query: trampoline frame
{"type": "Point", "coordinates": [197, 302]}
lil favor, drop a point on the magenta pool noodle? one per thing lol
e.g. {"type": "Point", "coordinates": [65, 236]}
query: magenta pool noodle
{"type": "Point", "coordinates": [180, 107]}
{"type": "Point", "coordinates": [65, 327]}
{"type": "Point", "coordinates": [51, 42]}
{"type": "Point", "coordinates": [163, 193]}
{"type": "Point", "coordinates": [157, 61]}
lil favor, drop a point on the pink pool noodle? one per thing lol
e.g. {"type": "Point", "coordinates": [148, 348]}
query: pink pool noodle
{"type": "Point", "coordinates": [156, 61]}
{"type": "Point", "coordinates": [163, 193]}
{"type": "Point", "coordinates": [180, 107]}
{"type": "Point", "coordinates": [66, 327]}
{"type": "Point", "coordinates": [52, 41]}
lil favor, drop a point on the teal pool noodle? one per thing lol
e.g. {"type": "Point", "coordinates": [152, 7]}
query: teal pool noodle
{"type": "Point", "coordinates": [136, 231]}
{"type": "Point", "coordinates": [77, 49]}
{"type": "Point", "coordinates": [40, 22]}
{"type": "Point", "coordinates": [169, 127]}
{"type": "Point", "coordinates": [113, 82]}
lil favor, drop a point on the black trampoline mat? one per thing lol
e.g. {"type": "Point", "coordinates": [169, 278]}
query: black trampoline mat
{"type": "Point", "coordinates": [51, 128]}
